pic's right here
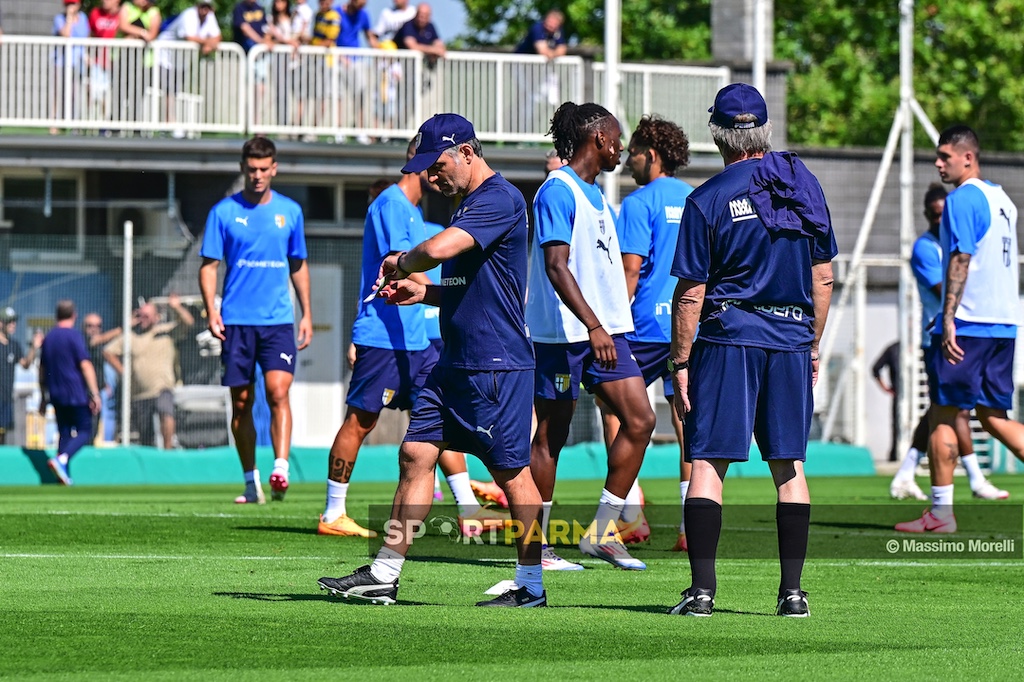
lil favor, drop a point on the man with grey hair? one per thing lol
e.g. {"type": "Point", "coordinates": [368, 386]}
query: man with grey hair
{"type": "Point", "coordinates": [753, 260]}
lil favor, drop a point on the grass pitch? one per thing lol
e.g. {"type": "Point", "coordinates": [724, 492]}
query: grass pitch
{"type": "Point", "coordinates": [179, 583]}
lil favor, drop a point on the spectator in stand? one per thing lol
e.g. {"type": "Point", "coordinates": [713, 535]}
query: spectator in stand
{"type": "Point", "coordinates": [104, 21]}
{"type": "Point", "coordinates": [326, 29]}
{"type": "Point", "coordinates": [67, 380]}
{"type": "Point", "coordinates": [355, 21]}
{"type": "Point", "coordinates": [421, 35]}
{"type": "Point", "coordinates": [552, 161]}
{"type": "Point", "coordinates": [302, 21]}
{"type": "Point", "coordinates": [140, 19]}
{"type": "Point", "coordinates": [197, 24]}
{"type": "Point", "coordinates": [391, 21]}
{"type": "Point", "coordinates": [538, 84]}
{"type": "Point", "coordinates": [545, 37]}
{"type": "Point", "coordinates": [154, 368]}
{"type": "Point", "coordinates": [71, 23]}
{"type": "Point", "coordinates": [282, 27]}
{"type": "Point", "coordinates": [104, 426]}
{"type": "Point", "coordinates": [11, 354]}
{"type": "Point", "coordinates": [250, 27]}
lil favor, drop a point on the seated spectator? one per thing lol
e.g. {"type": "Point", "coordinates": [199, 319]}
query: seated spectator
{"type": "Point", "coordinates": [154, 369]}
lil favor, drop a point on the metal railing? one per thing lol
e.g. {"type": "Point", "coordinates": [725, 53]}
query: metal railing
{"type": "Point", "coordinates": [168, 87]}
{"type": "Point", "coordinates": [121, 85]}
{"type": "Point", "coordinates": [678, 93]}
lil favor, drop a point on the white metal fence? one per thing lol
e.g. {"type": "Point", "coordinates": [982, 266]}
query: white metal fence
{"type": "Point", "coordinates": [167, 87]}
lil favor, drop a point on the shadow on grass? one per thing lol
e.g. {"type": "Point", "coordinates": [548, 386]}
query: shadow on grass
{"type": "Point", "coordinates": [308, 530]}
{"type": "Point", "coordinates": [308, 596]}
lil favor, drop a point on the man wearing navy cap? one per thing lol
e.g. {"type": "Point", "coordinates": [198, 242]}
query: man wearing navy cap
{"type": "Point", "coordinates": [478, 397]}
{"type": "Point", "coordinates": [753, 260]}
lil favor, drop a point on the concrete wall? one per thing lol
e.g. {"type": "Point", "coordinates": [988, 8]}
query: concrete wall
{"type": "Point", "coordinates": [31, 17]}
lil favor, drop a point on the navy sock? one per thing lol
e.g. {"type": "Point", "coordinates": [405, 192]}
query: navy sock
{"type": "Point", "coordinates": [703, 519]}
{"type": "Point", "coordinates": [792, 520]}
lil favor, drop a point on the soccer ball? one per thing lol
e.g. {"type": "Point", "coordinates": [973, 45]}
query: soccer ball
{"type": "Point", "coordinates": [445, 525]}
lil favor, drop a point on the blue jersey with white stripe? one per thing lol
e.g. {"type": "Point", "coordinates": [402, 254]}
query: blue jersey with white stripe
{"type": "Point", "coordinates": [758, 283]}
{"type": "Point", "coordinates": [256, 242]}
{"type": "Point", "coordinates": [393, 224]}
{"type": "Point", "coordinates": [648, 227]}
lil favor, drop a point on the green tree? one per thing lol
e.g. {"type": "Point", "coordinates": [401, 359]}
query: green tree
{"type": "Point", "coordinates": [651, 29]}
{"type": "Point", "coordinates": [845, 86]}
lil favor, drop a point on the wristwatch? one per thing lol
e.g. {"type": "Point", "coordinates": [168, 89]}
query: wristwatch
{"type": "Point", "coordinates": [678, 366]}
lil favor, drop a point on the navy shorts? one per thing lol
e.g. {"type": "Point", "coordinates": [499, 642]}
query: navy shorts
{"type": "Point", "coordinates": [929, 364]}
{"type": "Point", "coordinates": [382, 377]}
{"type": "Point", "coordinates": [738, 390]}
{"type": "Point", "coordinates": [652, 358]}
{"type": "Point", "coordinates": [272, 346]}
{"type": "Point", "coordinates": [482, 412]}
{"type": "Point", "coordinates": [985, 377]}
{"type": "Point", "coordinates": [562, 366]}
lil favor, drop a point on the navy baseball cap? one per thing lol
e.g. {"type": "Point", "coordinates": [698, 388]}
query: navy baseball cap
{"type": "Point", "coordinates": [439, 132]}
{"type": "Point", "coordinates": [735, 100]}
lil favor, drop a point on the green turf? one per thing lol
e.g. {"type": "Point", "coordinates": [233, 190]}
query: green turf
{"type": "Point", "coordinates": [176, 582]}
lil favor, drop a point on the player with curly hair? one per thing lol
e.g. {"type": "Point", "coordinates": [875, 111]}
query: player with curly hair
{"type": "Point", "coordinates": [648, 228]}
{"type": "Point", "coordinates": [578, 314]}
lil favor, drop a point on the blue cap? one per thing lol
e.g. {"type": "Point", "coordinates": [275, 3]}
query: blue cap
{"type": "Point", "coordinates": [735, 100]}
{"type": "Point", "coordinates": [439, 132]}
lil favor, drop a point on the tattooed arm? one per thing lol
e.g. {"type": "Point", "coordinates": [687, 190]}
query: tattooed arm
{"type": "Point", "coordinates": [956, 279]}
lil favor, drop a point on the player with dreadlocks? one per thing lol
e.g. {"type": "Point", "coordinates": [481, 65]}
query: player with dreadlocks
{"type": "Point", "coordinates": [578, 314]}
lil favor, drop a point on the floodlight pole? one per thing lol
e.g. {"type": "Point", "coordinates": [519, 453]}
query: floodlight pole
{"type": "Point", "coordinates": [909, 334]}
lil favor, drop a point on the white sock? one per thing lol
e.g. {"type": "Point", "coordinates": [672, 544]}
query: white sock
{"type": "Point", "coordinates": [684, 486]}
{"type": "Point", "coordinates": [609, 508]}
{"type": "Point", "coordinates": [437, 484]}
{"type": "Point", "coordinates": [336, 494]}
{"type": "Point", "coordinates": [631, 512]}
{"type": "Point", "coordinates": [280, 466]}
{"type": "Point", "coordinates": [63, 458]}
{"type": "Point", "coordinates": [975, 477]}
{"type": "Point", "coordinates": [908, 465]}
{"type": "Point", "coordinates": [545, 516]}
{"type": "Point", "coordinates": [463, 492]}
{"type": "Point", "coordinates": [387, 566]}
{"type": "Point", "coordinates": [530, 577]}
{"type": "Point", "coordinates": [942, 500]}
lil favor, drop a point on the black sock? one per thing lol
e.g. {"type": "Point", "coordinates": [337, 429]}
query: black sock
{"type": "Point", "coordinates": [792, 520]}
{"type": "Point", "coordinates": [703, 518]}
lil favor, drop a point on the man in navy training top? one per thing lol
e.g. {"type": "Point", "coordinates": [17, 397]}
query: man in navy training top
{"type": "Point", "coordinates": [926, 264]}
{"type": "Point", "coordinates": [67, 380]}
{"type": "Point", "coordinates": [393, 355]}
{"type": "Point", "coordinates": [259, 235]}
{"type": "Point", "coordinates": [648, 226]}
{"type": "Point", "coordinates": [975, 333]}
{"type": "Point", "coordinates": [755, 271]}
{"type": "Point", "coordinates": [477, 398]}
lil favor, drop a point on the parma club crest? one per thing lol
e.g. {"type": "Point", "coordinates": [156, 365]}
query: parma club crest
{"type": "Point", "coordinates": [561, 383]}
{"type": "Point", "coordinates": [279, 221]}
{"type": "Point", "coordinates": [387, 396]}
